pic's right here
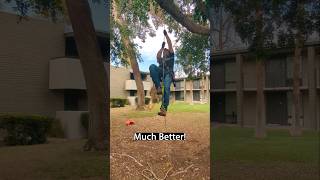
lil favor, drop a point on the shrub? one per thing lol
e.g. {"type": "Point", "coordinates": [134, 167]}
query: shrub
{"type": "Point", "coordinates": [84, 118]}
{"type": "Point", "coordinates": [118, 102]}
{"type": "Point", "coordinates": [146, 100]}
{"type": "Point", "coordinates": [56, 129]}
{"type": "Point", "coordinates": [25, 129]}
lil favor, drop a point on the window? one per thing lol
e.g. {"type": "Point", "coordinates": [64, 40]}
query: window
{"type": "Point", "coordinates": [179, 95]}
{"type": "Point", "coordinates": [71, 98]}
{"type": "Point", "coordinates": [132, 93]}
{"type": "Point", "coordinates": [179, 85]}
{"type": "Point", "coordinates": [71, 47]}
{"type": "Point", "coordinates": [143, 76]}
{"type": "Point", "coordinates": [196, 84]}
{"type": "Point", "coordinates": [196, 95]}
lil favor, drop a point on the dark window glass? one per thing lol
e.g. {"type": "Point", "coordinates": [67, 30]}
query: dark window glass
{"type": "Point", "coordinates": [71, 98]}
{"type": "Point", "coordinates": [132, 93]}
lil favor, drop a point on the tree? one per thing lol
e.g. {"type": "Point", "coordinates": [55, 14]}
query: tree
{"type": "Point", "coordinates": [91, 59]}
{"type": "Point", "coordinates": [192, 54]}
{"type": "Point", "coordinates": [193, 51]}
{"type": "Point", "coordinates": [252, 29]}
{"type": "Point", "coordinates": [124, 35]}
{"type": "Point", "coordinates": [96, 77]}
{"type": "Point", "coordinates": [254, 24]}
{"type": "Point", "coordinates": [296, 25]}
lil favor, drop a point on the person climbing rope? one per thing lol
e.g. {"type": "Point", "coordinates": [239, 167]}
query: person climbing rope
{"type": "Point", "coordinates": [163, 73]}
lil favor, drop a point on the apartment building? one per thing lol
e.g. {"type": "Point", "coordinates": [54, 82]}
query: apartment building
{"type": "Point", "coordinates": [124, 86]}
{"type": "Point", "coordinates": [40, 70]}
{"type": "Point", "coordinates": [233, 93]}
{"type": "Point", "coordinates": [195, 90]}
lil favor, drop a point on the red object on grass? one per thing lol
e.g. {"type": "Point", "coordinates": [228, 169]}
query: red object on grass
{"type": "Point", "coordinates": [129, 122]}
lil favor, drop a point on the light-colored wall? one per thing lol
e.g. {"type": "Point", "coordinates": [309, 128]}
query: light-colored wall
{"type": "Point", "coordinates": [66, 73]}
{"type": "Point", "coordinates": [118, 77]}
{"type": "Point", "coordinates": [71, 124]}
{"type": "Point", "coordinates": [189, 85]}
{"type": "Point", "coordinates": [25, 51]}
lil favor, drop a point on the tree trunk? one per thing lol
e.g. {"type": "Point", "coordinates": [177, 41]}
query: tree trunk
{"type": "Point", "coordinates": [296, 124]}
{"type": "Point", "coordinates": [132, 58]}
{"type": "Point", "coordinates": [260, 116]}
{"type": "Point", "coordinates": [136, 73]}
{"type": "Point", "coordinates": [96, 76]}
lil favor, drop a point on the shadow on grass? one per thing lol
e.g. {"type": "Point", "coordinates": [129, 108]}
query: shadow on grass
{"type": "Point", "coordinates": [236, 153]}
{"type": "Point", "coordinates": [59, 159]}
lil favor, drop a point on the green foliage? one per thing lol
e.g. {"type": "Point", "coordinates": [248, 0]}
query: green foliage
{"type": "Point", "coordinates": [192, 55]}
{"type": "Point", "coordinates": [254, 24]}
{"type": "Point", "coordinates": [56, 129]}
{"type": "Point", "coordinates": [84, 119]}
{"type": "Point", "coordinates": [118, 102]}
{"type": "Point", "coordinates": [46, 8]}
{"type": "Point", "coordinates": [25, 129]}
{"type": "Point", "coordinates": [135, 16]}
{"type": "Point", "coordinates": [296, 20]}
{"type": "Point", "coordinates": [146, 100]}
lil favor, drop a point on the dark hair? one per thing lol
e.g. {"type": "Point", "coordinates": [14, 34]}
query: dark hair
{"type": "Point", "coordinates": [166, 53]}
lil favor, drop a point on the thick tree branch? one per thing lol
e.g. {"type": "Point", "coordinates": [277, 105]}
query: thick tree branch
{"type": "Point", "coordinates": [187, 22]}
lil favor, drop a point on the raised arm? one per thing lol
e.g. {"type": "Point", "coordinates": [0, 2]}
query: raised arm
{"type": "Point", "coordinates": [168, 41]}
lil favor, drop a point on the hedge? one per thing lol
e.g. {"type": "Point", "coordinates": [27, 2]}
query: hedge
{"type": "Point", "coordinates": [118, 102]}
{"type": "Point", "coordinates": [56, 129]}
{"type": "Point", "coordinates": [146, 100]}
{"type": "Point", "coordinates": [25, 129]}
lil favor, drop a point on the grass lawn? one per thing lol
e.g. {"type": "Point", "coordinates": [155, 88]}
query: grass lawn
{"type": "Point", "coordinates": [60, 159]}
{"type": "Point", "coordinates": [236, 150]}
{"type": "Point", "coordinates": [175, 107]}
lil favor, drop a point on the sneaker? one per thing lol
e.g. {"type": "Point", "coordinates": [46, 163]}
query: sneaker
{"type": "Point", "coordinates": [162, 112]}
{"type": "Point", "coordinates": [159, 91]}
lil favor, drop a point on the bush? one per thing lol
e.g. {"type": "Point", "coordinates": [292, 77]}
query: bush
{"type": "Point", "coordinates": [84, 118]}
{"type": "Point", "coordinates": [146, 100]}
{"type": "Point", "coordinates": [118, 102]}
{"type": "Point", "coordinates": [56, 129]}
{"type": "Point", "coordinates": [25, 129]}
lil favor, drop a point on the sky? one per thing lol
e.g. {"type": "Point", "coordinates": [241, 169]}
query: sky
{"type": "Point", "coordinates": [150, 48]}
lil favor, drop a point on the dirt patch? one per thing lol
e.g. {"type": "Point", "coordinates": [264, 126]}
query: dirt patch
{"type": "Point", "coordinates": [189, 159]}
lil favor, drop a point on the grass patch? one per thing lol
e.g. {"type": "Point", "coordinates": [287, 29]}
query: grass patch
{"type": "Point", "coordinates": [176, 107]}
{"type": "Point", "coordinates": [239, 144]}
{"type": "Point", "coordinates": [60, 159]}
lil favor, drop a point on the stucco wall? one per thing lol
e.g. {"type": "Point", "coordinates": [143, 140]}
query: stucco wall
{"type": "Point", "coordinates": [25, 51]}
{"type": "Point", "coordinates": [118, 76]}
